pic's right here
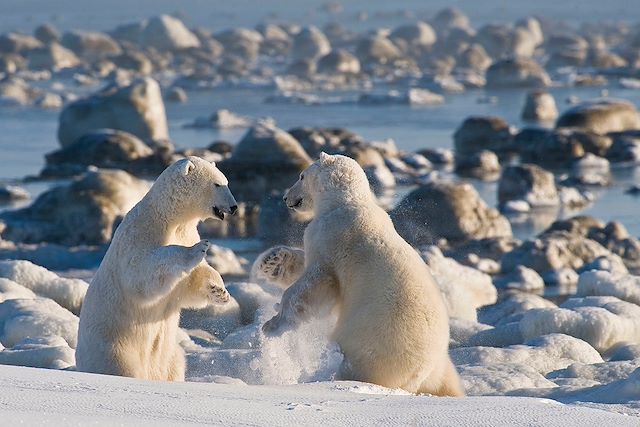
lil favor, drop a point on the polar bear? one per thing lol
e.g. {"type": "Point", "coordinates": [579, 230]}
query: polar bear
{"type": "Point", "coordinates": [392, 325]}
{"type": "Point", "coordinates": [154, 267]}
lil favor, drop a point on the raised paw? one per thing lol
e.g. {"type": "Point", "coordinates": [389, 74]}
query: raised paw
{"type": "Point", "coordinates": [197, 252]}
{"type": "Point", "coordinates": [217, 293]}
{"type": "Point", "coordinates": [273, 265]}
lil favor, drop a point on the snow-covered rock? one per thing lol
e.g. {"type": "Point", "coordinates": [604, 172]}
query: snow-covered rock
{"type": "Point", "coordinates": [500, 378]}
{"type": "Point", "coordinates": [50, 352]}
{"type": "Point", "coordinates": [603, 322]}
{"type": "Point", "coordinates": [69, 293]}
{"type": "Point", "coordinates": [464, 289]}
{"type": "Point", "coordinates": [603, 283]}
{"type": "Point", "coordinates": [33, 318]}
{"type": "Point", "coordinates": [12, 290]}
{"type": "Point", "coordinates": [544, 354]}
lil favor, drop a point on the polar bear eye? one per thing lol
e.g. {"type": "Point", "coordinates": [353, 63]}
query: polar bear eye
{"type": "Point", "coordinates": [301, 177]}
{"type": "Point", "coordinates": [218, 185]}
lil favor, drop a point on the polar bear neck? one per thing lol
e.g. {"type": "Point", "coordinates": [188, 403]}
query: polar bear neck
{"type": "Point", "coordinates": [331, 199]}
{"type": "Point", "coordinates": [171, 214]}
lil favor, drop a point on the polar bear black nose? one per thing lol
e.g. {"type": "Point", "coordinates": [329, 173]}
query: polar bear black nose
{"type": "Point", "coordinates": [233, 209]}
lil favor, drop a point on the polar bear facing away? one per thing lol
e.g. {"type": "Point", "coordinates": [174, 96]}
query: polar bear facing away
{"type": "Point", "coordinates": [392, 322]}
{"type": "Point", "coordinates": [154, 267]}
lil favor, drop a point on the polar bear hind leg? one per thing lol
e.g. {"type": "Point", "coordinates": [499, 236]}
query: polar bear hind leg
{"type": "Point", "coordinates": [449, 384]}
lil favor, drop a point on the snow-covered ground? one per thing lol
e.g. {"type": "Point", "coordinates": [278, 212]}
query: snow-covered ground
{"type": "Point", "coordinates": [523, 361]}
{"type": "Point", "coordinates": [48, 397]}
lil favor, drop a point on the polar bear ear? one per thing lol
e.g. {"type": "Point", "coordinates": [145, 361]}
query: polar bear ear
{"type": "Point", "coordinates": [213, 164]}
{"type": "Point", "coordinates": [187, 167]}
{"type": "Point", "coordinates": [325, 159]}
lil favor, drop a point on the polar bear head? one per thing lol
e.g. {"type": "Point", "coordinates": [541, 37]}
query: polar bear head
{"type": "Point", "coordinates": [196, 188]}
{"type": "Point", "coordinates": [336, 178]}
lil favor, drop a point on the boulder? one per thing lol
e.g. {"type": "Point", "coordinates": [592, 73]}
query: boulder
{"type": "Point", "coordinates": [518, 72]}
{"type": "Point", "coordinates": [558, 147]}
{"type": "Point", "coordinates": [474, 57]}
{"type": "Point", "coordinates": [16, 92]}
{"type": "Point", "coordinates": [85, 211]}
{"type": "Point", "coordinates": [483, 165]}
{"type": "Point", "coordinates": [554, 251]}
{"type": "Point", "coordinates": [167, 33]}
{"type": "Point", "coordinates": [450, 18]}
{"type": "Point", "coordinates": [377, 50]}
{"type": "Point", "coordinates": [136, 108]}
{"type": "Point", "coordinates": [453, 211]}
{"type": "Point", "coordinates": [414, 36]}
{"type": "Point", "coordinates": [266, 159]}
{"type": "Point", "coordinates": [310, 43]}
{"type": "Point", "coordinates": [133, 60]}
{"type": "Point", "coordinates": [482, 133]}
{"type": "Point", "coordinates": [47, 33]}
{"type": "Point", "coordinates": [241, 42]}
{"type": "Point", "coordinates": [11, 193]}
{"type": "Point", "coordinates": [107, 148]}
{"type": "Point", "coordinates": [539, 106]}
{"type": "Point", "coordinates": [601, 116]}
{"type": "Point", "coordinates": [52, 57]}
{"type": "Point", "coordinates": [502, 41]}
{"type": "Point", "coordinates": [177, 94]}
{"type": "Point", "coordinates": [18, 43]}
{"type": "Point", "coordinates": [91, 45]}
{"type": "Point", "coordinates": [533, 26]}
{"type": "Point", "coordinates": [338, 62]}
{"type": "Point", "coordinates": [530, 183]}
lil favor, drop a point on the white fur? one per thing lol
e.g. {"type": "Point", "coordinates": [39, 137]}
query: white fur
{"type": "Point", "coordinates": [392, 323]}
{"type": "Point", "coordinates": [154, 267]}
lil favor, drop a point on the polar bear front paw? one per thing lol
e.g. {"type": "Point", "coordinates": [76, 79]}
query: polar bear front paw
{"type": "Point", "coordinates": [217, 293]}
{"type": "Point", "coordinates": [276, 326]}
{"type": "Point", "coordinates": [277, 265]}
{"type": "Point", "coordinates": [197, 253]}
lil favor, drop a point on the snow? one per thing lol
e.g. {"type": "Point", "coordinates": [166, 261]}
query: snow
{"type": "Point", "coordinates": [464, 288]}
{"type": "Point", "coordinates": [594, 283]}
{"type": "Point", "coordinates": [585, 352]}
{"type": "Point", "coordinates": [544, 354]}
{"type": "Point", "coordinates": [37, 397]}
{"type": "Point", "coordinates": [601, 321]}
{"type": "Point", "coordinates": [69, 293]}
{"type": "Point", "coordinates": [36, 317]}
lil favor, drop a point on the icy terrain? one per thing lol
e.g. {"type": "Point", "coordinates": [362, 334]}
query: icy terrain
{"type": "Point", "coordinates": [41, 397]}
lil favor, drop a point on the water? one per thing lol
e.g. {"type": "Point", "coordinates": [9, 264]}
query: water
{"type": "Point", "coordinates": [27, 134]}
{"type": "Point", "coordinates": [218, 14]}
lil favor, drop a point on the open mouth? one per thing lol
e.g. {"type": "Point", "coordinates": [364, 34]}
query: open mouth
{"type": "Point", "coordinates": [218, 213]}
{"type": "Point", "coordinates": [296, 204]}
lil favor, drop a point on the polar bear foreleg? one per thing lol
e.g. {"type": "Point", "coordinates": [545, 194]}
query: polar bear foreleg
{"type": "Point", "coordinates": [164, 267]}
{"type": "Point", "coordinates": [315, 290]}
{"type": "Point", "coordinates": [202, 287]}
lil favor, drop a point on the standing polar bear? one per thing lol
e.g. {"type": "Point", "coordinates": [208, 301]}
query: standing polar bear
{"type": "Point", "coordinates": [154, 267]}
{"type": "Point", "coordinates": [392, 323]}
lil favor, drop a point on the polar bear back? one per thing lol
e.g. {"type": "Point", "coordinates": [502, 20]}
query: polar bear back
{"type": "Point", "coordinates": [388, 294]}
